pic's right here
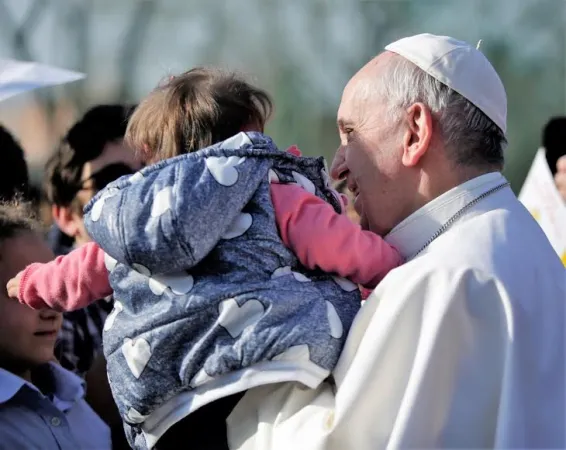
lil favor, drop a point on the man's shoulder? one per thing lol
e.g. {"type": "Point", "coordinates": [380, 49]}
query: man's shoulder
{"type": "Point", "coordinates": [499, 241]}
{"type": "Point", "coordinates": [504, 247]}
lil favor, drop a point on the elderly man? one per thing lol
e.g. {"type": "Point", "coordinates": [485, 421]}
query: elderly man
{"type": "Point", "coordinates": [462, 346]}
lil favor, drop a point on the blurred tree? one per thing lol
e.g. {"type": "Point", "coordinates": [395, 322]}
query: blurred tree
{"type": "Point", "coordinates": [302, 51]}
{"type": "Point", "coordinates": [18, 34]}
{"type": "Point", "coordinates": [132, 46]}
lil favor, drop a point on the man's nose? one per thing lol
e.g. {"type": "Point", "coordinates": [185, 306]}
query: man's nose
{"type": "Point", "coordinates": [339, 169]}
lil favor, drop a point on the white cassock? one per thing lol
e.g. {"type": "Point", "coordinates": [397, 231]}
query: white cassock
{"type": "Point", "coordinates": [463, 346]}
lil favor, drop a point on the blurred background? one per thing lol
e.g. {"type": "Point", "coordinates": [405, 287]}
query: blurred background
{"type": "Point", "coordinates": [302, 51]}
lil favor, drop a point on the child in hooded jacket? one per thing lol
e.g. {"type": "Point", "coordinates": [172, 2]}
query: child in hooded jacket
{"type": "Point", "coordinates": [232, 262]}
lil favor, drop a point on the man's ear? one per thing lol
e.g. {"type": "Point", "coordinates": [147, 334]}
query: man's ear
{"type": "Point", "coordinates": [65, 219]}
{"type": "Point", "coordinates": [418, 134]}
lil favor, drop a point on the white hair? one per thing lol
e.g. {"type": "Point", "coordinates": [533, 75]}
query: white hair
{"type": "Point", "coordinates": [471, 137]}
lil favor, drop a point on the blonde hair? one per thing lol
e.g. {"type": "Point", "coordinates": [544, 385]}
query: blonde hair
{"type": "Point", "coordinates": [194, 110]}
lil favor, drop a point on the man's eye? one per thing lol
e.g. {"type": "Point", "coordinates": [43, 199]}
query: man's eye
{"type": "Point", "coordinates": [348, 131]}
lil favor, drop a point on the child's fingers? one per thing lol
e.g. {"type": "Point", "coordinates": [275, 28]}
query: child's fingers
{"type": "Point", "coordinates": [13, 286]}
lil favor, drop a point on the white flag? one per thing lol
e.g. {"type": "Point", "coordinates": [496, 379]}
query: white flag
{"type": "Point", "coordinates": [541, 197]}
{"type": "Point", "coordinates": [17, 77]}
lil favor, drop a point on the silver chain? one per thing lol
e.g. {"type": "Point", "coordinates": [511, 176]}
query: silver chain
{"type": "Point", "coordinates": [456, 216]}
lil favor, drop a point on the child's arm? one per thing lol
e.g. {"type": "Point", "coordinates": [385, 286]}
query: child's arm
{"type": "Point", "coordinates": [324, 239]}
{"type": "Point", "coordinates": [67, 283]}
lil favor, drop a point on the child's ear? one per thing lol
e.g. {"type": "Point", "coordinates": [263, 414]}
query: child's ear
{"type": "Point", "coordinates": [146, 150]}
{"type": "Point", "coordinates": [145, 153]}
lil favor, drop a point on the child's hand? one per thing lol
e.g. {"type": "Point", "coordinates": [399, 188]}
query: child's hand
{"type": "Point", "coordinates": [13, 286]}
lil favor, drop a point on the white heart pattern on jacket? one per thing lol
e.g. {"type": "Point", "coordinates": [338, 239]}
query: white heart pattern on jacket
{"type": "Point", "coordinates": [133, 416]}
{"type": "Point", "coordinates": [109, 262]}
{"type": "Point", "coordinates": [336, 327]}
{"type": "Point", "coordinates": [345, 284]}
{"type": "Point", "coordinates": [273, 178]}
{"type": "Point", "coordinates": [304, 182]}
{"type": "Point", "coordinates": [235, 318]}
{"type": "Point", "coordinates": [141, 269]}
{"type": "Point", "coordinates": [118, 308]}
{"type": "Point", "coordinates": [223, 169]}
{"type": "Point", "coordinates": [96, 210]}
{"type": "Point", "coordinates": [162, 202]}
{"type": "Point", "coordinates": [137, 353]}
{"type": "Point", "coordinates": [180, 283]}
{"type": "Point", "coordinates": [136, 177]}
{"type": "Point", "coordinates": [295, 353]}
{"type": "Point", "coordinates": [200, 378]}
{"type": "Point", "coordinates": [235, 142]}
{"type": "Point", "coordinates": [282, 271]}
{"type": "Point", "coordinates": [241, 224]}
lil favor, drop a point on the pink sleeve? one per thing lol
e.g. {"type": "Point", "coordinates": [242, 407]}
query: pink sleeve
{"type": "Point", "coordinates": [68, 282]}
{"type": "Point", "coordinates": [324, 239]}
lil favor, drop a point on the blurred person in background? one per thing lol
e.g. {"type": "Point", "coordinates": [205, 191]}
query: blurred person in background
{"type": "Point", "coordinates": [14, 178]}
{"type": "Point", "coordinates": [91, 155]}
{"type": "Point", "coordinates": [554, 142]}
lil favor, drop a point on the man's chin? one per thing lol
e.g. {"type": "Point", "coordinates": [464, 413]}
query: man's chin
{"type": "Point", "coordinates": [366, 225]}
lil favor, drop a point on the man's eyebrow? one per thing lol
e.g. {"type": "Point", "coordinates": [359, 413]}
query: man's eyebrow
{"type": "Point", "coordinates": [343, 123]}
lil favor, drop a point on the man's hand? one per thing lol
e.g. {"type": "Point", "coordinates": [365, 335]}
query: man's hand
{"type": "Point", "coordinates": [560, 176]}
{"type": "Point", "coordinates": [13, 286]}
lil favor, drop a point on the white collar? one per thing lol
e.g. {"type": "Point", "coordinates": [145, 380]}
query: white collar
{"type": "Point", "coordinates": [69, 388]}
{"type": "Point", "coordinates": [415, 231]}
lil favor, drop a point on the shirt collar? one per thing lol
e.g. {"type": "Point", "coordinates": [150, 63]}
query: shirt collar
{"type": "Point", "coordinates": [417, 229]}
{"type": "Point", "coordinates": [69, 388]}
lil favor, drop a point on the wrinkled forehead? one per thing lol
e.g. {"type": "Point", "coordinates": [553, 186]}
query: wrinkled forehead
{"type": "Point", "coordinates": [363, 90]}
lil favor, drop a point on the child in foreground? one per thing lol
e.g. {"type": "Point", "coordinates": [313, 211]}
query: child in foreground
{"type": "Point", "coordinates": [231, 262]}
